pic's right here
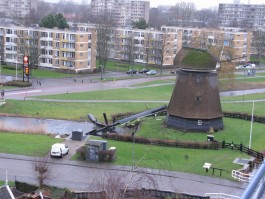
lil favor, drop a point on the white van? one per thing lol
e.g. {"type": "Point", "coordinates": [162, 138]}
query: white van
{"type": "Point", "coordinates": [59, 150]}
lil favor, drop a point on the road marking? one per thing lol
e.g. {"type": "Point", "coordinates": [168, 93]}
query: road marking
{"type": "Point", "coordinates": [23, 92]}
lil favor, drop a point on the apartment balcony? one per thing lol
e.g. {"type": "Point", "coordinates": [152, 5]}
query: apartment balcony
{"type": "Point", "coordinates": [64, 58]}
{"type": "Point", "coordinates": [67, 49]}
{"type": "Point", "coordinates": [46, 65]}
{"type": "Point", "coordinates": [46, 47]}
{"type": "Point", "coordinates": [46, 56]}
{"type": "Point", "coordinates": [46, 38]}
{"type": "Point", "coordinates": [11, 35]}
{"type": "Point", "coordinates": [11, 52]}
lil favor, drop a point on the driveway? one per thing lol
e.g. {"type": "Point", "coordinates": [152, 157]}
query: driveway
{"type": "Point", "coordinates": [73, 147]}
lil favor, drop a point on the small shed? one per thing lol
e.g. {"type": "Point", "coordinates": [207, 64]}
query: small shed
{"type": "Point", "coordinates": [77, 135]}
{"type": "Point", "coordinates": [93, 147]}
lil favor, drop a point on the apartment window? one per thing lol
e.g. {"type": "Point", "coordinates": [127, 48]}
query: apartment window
{"type": "Point", "coordinates": [57, 35]}
{"type": "Point", "coordinates": [89, 45]}
{"type": "Point", "coordinates": [81, 36]}
{"type": "Point", "coordinates": [56, 53]}
{"type": "Point", "coordinates": [56, 61]}
{"type": "Point", "coordinates": [57, 44]}
{"type": "Point", "coordinates": [81, 45]}
{"type": "Point", "coordinates": [81, 54]}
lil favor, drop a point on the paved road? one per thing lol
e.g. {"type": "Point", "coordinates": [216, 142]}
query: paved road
{"type": "Point", "coordinates": [66, 85]}
{"type": "Point", "coordinates": [82, 176]}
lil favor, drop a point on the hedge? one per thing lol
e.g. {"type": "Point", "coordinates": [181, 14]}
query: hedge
{"type": "Point", "coordinates": [159, 142]}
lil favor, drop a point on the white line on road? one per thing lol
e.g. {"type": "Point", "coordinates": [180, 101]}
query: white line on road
{"type": "Point", "coordinates": [23, 92]}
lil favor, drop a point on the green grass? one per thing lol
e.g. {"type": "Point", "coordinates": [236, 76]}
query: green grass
{"type": "Point", "coordinates": [262, 60]}
{"type": "Point", "coordinates": [152, 93]}
{"type": "Point", "coordinates": [169, 81]}
{"type": "Point", "coordinates": [170, 158]}
{"type": "Point", "coordinates": [26, 144]}
{"type": "Point", "coordinates": [71, 111]}
{"type": "Point", "coordinates": [37, 73]}
{"type": "Point", "coordinates": [123, 66]}
{"type": "Point", "coordinates": [235, 130]}
{"type": "Point", "coordinates": [10, 183]}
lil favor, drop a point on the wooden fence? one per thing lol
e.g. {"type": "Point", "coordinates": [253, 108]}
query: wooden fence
{"type": "Point", "coordinates": [244, 149]}
{"type": "Point", "coordinates": [244, 116]}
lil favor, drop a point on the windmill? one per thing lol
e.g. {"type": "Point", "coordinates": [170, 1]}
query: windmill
{"type": "Point", "coordinates": [195, 102]}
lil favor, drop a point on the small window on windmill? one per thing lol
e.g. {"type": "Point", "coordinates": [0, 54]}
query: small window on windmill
{"type": "Point", "coordinates": [198, 99]}
{"type": "Point", "coordinates": [199, 122]}
{"type": "Point", "coordinates": [198, 78]}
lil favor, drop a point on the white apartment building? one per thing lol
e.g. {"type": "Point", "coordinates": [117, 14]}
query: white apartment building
{"type": "Point", "coordinates": [52, 48]}
{"type": "Point", "coordinates": [227, 44]}
{"type": "Point", "coordinates": [146, 46]}
{"type": "Point", "coordinates": [141, 46]}
{"type": "Point", "coordinates": [17, 8]}
{"type": "Point", "coordinates": [242, 15]}
{"type": "Point", "coordinates": [123, 12]}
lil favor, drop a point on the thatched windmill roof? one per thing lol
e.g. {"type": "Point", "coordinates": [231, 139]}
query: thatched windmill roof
{"type": "Point", "coordinates": [193, 58]}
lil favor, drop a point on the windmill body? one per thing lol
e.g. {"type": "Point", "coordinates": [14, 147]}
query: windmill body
{"type": "Point", "coordinates": [195, 102]}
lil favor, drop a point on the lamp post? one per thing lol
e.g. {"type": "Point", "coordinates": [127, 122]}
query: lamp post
{"type": "Point", "coordinates": [251, 126]}
{"type": "Point", "coordinates": [16, 67]}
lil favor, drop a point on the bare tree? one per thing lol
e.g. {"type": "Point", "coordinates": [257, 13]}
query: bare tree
{"type": "Point", "coordinates": [28, 44]}
{"type": "Point", "coordinates": [182, 13]}
{"type": "Point", "coordinates": [258, 43]}
{"type": "Point", "coordinates": [207, 17]}
{"type": "Point", "coordinates": [84, 12]}
{"type": "Point", "coordinates": [115, 184]}
{"type": "Point", "coordinates": [161, 49]}
{"type": "Point", "coordinates": [157, 18]}
{"type": "Point", "coordinates": [43, 169]}
{"type": "Point", "coordinates": [2, 46]}
{"type": "Point", "coordinates": [130, 51]}
{"type": "Point", "coordinates": [148, 48]}
{"type": "Point", "coordinates": [104, 29]}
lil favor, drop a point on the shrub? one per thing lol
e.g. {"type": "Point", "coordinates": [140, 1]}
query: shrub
{"type": "Point", "coordinates": [81, 153]}
{"type": "Point", "coordinates": [106, 155]}
{"type": "Point", "coordinates": [169, 143]}
{"type": "Point", "coordinates": [18, 83]}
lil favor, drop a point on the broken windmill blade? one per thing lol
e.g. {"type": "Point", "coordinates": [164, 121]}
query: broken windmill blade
{"type": "Point", "coordinates": [131, 118]}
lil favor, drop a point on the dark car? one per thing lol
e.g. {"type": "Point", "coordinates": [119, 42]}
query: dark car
{"type": "Point", "coordinates": [131, 72]}
{"type": "Point", "coordinates": [144, 70]}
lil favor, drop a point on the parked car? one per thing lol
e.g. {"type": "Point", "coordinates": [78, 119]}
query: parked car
{"type": "Point", "coordinates": [151, 72]}
{"type": "Point", "coordinates": [59, 150]}
{"type": "Point", "coordinates": [144, 70]}
{"type": "Point", "coordinates": [131, 72]}
{"type": "Point", "coordinates": [246, 66]}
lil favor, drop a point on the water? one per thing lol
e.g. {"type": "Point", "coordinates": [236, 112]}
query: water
{"type": "Point", "coordinates": [35, 125]}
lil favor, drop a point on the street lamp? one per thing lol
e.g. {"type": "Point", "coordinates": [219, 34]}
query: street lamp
{"type": "Point", "coordinates": [251, 126]}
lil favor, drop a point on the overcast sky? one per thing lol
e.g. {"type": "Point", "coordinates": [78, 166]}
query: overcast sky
{"type": "Point", "coordinates": [198, 3]}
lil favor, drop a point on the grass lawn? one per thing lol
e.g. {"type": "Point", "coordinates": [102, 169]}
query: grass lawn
{"type": "Point", "coordinates": [235, 130]}
{"type": "Point", "coordinates": [37, 73]}
{"type": "Point", "coordinates": [151, 93]}
{"type": "Point", "coordinates": [26, 144]}
{"type": "Point", "coordinates": [11, 184]}
{"type": "Point", "coordinates": [71, 111]}
{"type": "Point", "coordinates": [172, 159]}
{"type": "Point", "coordinates": [262, 60]}
{"type": "Point", "coordinates": [123, 66]}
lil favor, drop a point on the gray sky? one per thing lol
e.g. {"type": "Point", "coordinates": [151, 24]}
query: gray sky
{"type": "Point", "coordinates": [198, 3]}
